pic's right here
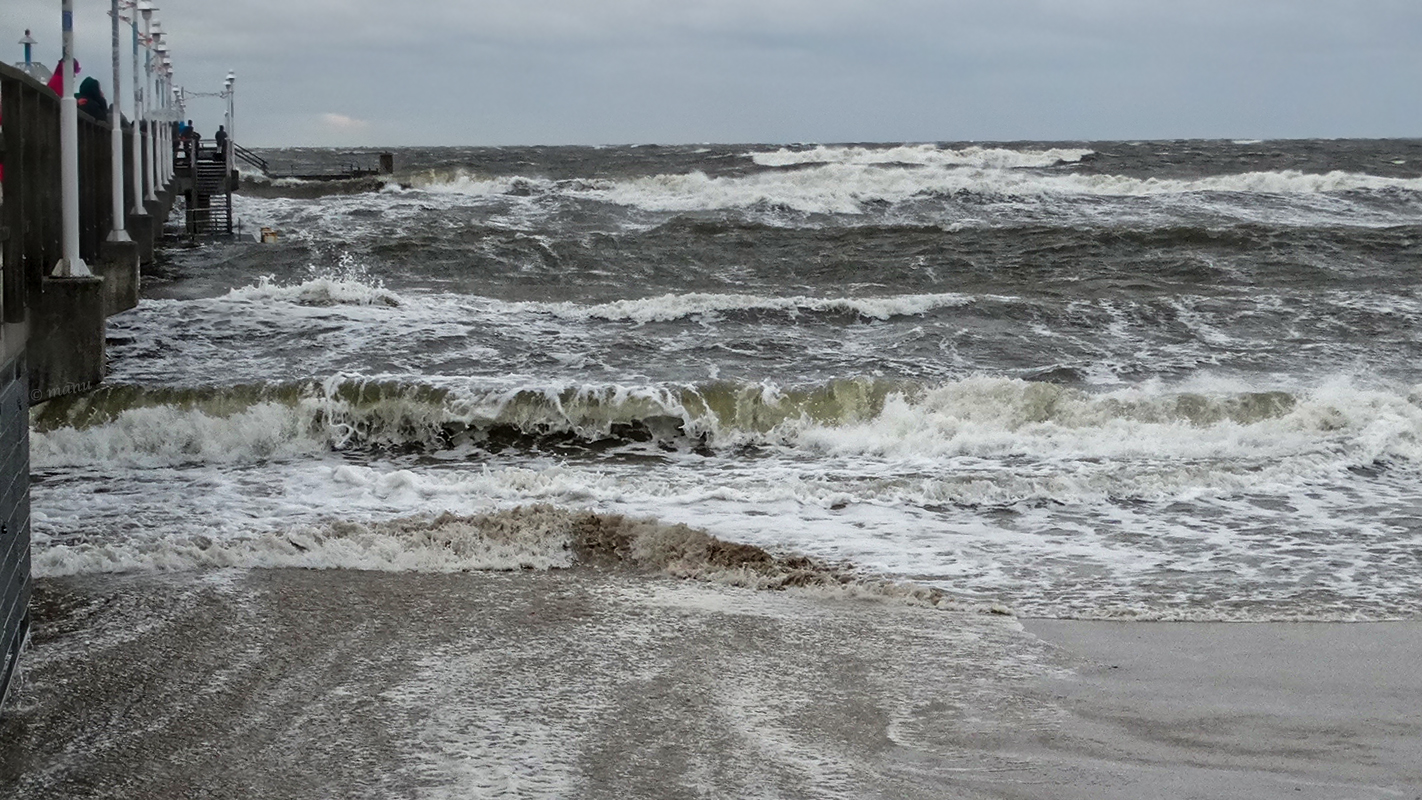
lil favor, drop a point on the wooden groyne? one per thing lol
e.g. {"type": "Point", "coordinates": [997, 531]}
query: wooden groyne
{"type": "Point", "coordinates": [52, 336]}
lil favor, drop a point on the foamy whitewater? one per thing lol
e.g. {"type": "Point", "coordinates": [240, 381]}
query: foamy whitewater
{"type": "Point", "coordinates": [1122, 380]}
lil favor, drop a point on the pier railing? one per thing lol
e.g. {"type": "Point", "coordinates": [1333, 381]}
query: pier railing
{"type": "Point", "coordinates": [31, 211]}
{"type": "Point", "coordinates": [29, 117]}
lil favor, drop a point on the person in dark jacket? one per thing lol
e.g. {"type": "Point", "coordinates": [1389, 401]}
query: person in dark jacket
{"type": "Point", "coordinates": [91, 100]}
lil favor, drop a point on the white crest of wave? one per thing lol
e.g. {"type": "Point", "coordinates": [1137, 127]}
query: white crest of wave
{"type": "Point", "coordinates": [465, 182]}
{"type": "Point", "coordinates": [922, 154]}
{"type": "Point", "coordinates": [669, 307]}
{"type": "Point", "coordinates": [846, 180]}
{"type": "Point", "coordinates": [847, 188]}
{"type": "Point", "coordinates": [166, 436]}
{"type": "Point", "coordinates": [1333, 426]}
{"type": "Point", "coordinates": [348, 283]}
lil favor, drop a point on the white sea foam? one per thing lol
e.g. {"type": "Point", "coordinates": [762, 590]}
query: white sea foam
{"type": "Point", "coordinates": [670, 307]}
{"type": "Point", "coordinates": [536, 540]}
{"type": "Point", "coordinates": [922, 154]}
{"type": "Point", "coordinates": [166, 435]}
{"type": "Point", "coordinates": [846, 188]}
{"type": "Point", "coordinates": [321, 291]}
{"type": "Point", "coordinates": [851, 183]}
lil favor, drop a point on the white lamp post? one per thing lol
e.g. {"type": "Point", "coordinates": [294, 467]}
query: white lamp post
{"type": "Point", "coordinates": [70, 264]}
{"type": "Point", "coordinates": [231, 92]}
{"type": "Point", "coordinates": [160, 99]}
{"type": "Point", "coordinates": [147, 8]}
{"type": "Point", "coordinates": [179, 114]}
{"type": "Point", "coordinates": [172, 118]}
{"type": "Point", "coordinates": [158, 51]}
{"type": "Point", "coordinates": [118, 234]}
{"type": "Point", "coordinates": [136, 148]}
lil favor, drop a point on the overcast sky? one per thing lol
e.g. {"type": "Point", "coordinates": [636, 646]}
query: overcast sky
{"type": "Point", "coordinates": [499, 72]}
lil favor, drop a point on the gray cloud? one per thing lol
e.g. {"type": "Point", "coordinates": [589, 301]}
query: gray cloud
{"type": "Point", "coordinates": [582, 71]}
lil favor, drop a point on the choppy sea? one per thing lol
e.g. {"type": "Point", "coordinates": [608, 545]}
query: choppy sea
{"type": "Point", "coordinates": [1159, 380]}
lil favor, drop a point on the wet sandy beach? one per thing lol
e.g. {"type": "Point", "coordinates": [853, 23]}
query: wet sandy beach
{"type": "Point", "coordinates": [605, 684]}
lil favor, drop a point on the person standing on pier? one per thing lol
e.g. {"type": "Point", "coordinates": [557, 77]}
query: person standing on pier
{"type": "Point", "coordinates": [92, 100]}
{"type": "Point", "coordinates": [56, 79]}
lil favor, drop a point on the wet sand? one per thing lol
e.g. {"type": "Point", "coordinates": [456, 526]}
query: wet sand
{"type": "Point", "coordinates": [600, 683]}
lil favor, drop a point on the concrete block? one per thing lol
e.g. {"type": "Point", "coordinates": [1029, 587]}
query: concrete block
{"type": "Point", "coordinates": [66, 349]}
{"type": "Point", "coordinates": [118, 266]}
{"type": "Point", "coordinates": [165, 203]}
{"type": "Point", "coordinates": [140, 229]}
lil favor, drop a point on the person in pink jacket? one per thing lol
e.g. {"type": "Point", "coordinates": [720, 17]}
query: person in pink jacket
{"type": "Point", "coordinates": [56, 81]}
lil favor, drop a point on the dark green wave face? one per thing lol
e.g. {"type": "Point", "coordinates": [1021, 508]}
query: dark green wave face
{"type": "Point", "coordinates": [357, 413]}
{"type": "Point", "coordinates": [1167, 379]}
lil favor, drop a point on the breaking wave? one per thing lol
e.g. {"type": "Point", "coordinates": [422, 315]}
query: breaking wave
{"type": "Point", "coordinates": [538, 537]}
{"type": "Point", "coordinates": [334, 290]}
{"type": "Point", "coordinates": [928, 155]}
{"type": "Point", "coordinates": [670, 307]}
{"type": "Point", "coordinates": [974, 417]}
{"type": "Point", "coordinates": [850, 188]}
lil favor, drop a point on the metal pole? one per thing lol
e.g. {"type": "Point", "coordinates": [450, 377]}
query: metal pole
{"type": "Point", "coordinates": [119, 234]}
{"type": "Point", "coordinates": [147, 10]}
{"type": "Point", "coordinates": [232, 110]}
{"type": "Point", "coordinates": [137, 146]}
{"type": "Point", "coordinates": [163, 131]}
{"type": "Point", "coordinates": [168, 120]}
{"type": "Point", "coordinates": [159, 116]}
{"type": "Point", "coordinates": [231, 121]}
{"type": "Point", "coordinates": [70, 264]}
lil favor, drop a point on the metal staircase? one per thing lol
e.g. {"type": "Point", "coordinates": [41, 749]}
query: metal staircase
{"type": "Point", "coordinates": [207, 187]}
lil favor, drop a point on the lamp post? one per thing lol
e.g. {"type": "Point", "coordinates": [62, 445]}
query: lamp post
{"type": "Point", "coordinates": [161, 156]}
{"type": "Point", "coordinates": [179, 114]}
{"type": "Point", "coordinates": [171, 118]}
{"type": "Point", "coordinates": [231, 92]}
{"type": "Point", "coordinates": [118, 234]}
{"type": "Point", "coordinates": [136, 147]}
{"type": "Point", "coordinates": [158, 50]}
{"type": "Point", "coordinates": [147, 8]}
{"type": "Point", "coordinates": [70, 264]}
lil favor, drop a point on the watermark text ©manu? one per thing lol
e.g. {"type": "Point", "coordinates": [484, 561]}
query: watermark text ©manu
{"type": "Point", "coordinates": [37, 396]}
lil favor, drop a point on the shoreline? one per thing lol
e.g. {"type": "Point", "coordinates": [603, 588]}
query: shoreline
{"type": "Point", "coordinates": [608, 683]}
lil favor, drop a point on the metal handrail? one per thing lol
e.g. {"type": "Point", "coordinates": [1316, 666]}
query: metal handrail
{"type": "Point", "coordinates": [251, 158]}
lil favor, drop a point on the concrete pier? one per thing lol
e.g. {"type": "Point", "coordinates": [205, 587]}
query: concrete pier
{"type": "Point", "coordinates": [52, 330]}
